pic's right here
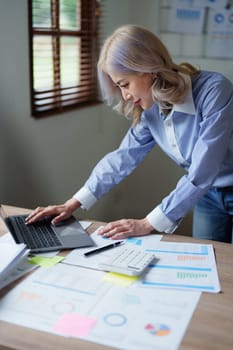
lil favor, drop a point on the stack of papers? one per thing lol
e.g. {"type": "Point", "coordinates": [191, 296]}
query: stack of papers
{"type": "Point", "coordinates": [13, 261]}
{"type": "Point", "coordinates": [9, 255]}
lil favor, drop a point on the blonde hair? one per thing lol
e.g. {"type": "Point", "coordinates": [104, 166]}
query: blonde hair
{"type": "Point", "coordinates": [134, 50]}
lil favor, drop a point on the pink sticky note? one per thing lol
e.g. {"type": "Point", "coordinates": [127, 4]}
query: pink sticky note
{"type": "Point", "coordinates": [74, 325]}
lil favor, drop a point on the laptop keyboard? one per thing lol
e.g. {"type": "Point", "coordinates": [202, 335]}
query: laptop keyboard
{"type": "Point", "coordinates": [37, 235]}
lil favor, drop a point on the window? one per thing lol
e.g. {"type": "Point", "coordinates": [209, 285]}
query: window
{"type": "Point", "coordinates": [63, 54]}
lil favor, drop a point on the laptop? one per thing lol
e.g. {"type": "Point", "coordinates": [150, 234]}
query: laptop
{"type": "Point", "coordinates": [42, 236]}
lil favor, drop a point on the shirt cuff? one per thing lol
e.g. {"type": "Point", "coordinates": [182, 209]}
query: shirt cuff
{"type": "Point", "coordinates": [160, 221]}
{"type": "Point", "coordinates": [85, 197]}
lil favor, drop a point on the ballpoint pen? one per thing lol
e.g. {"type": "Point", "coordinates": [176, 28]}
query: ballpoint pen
{"type": "Point", "coordinates": [101, 249]}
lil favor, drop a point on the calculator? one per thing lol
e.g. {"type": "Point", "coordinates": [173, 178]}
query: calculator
{"type": "Point", "coordinates": [128, 261]}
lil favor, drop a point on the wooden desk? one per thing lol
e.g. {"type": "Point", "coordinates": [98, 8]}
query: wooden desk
{"type": "Point", "coordinates": [211, 327]}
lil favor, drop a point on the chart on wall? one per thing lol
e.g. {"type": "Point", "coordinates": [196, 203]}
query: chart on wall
{"type": "Point", "coordinates": [212, 19]}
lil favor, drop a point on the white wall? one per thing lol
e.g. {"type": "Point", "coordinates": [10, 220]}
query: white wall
{"type": "Point", "coordinates": [45, 161]}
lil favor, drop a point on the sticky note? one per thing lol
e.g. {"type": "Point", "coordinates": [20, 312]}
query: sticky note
{"type": "Point", "coordinates": [119, 279]}
{"type": "Point", "coordinates": [45, 262]}
{"type": "Point", "coordinates": [74, 325]}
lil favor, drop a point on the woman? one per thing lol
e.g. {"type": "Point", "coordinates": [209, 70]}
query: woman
{"type": "Point", "coordinates": [188, 113]}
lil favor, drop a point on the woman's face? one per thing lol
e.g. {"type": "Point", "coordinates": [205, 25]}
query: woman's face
{"type": "Point", "coordinates": [135, 87]}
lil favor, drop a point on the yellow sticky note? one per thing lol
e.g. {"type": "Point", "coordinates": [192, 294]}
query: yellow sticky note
{"type": "Point", "coordinates": [119, 279]}
{"type": "Point", "coordinates": [45, 262]}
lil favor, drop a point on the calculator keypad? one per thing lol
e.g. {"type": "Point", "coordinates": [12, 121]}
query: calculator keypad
{"type": "Point", "coordinates": [129, 261]}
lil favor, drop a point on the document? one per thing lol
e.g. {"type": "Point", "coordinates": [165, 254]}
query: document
{"type": "Point", "coordinates": [23, 267]}
{"type": "Point", "coordinates": [10, 253]}
{"type": "Point", "coordinates": [185, 18]}
{"type": "Point", "coordinates": [13, 260]}
{"type": "Point", "coordinates": [78, 302]}
{"type": "Point", "coordinates": [188, 266]}
{"type": "Point", "coordinates": [219, 41]}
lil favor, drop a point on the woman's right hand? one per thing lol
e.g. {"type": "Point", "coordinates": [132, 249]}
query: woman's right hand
{"type": "Point", "coordinates": [60, 212]}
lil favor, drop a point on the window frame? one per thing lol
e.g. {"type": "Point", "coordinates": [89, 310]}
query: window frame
{"type": "Point", "coordinates": [87, 92]}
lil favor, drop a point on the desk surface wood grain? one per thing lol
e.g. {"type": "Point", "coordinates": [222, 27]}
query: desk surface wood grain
{"type": "Point", "coordinates": [211, 327]}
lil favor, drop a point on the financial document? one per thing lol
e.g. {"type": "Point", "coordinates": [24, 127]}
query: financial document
{"type": "Point", "coordinates": [77, 302]}
{"type": "Point", "coordinates": [188, 266]}
{"type": "Point", "coordinates": [152, 311]}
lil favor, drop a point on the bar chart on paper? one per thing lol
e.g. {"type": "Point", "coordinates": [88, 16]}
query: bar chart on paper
{"type": "Point", "coordinates": [183, 266]}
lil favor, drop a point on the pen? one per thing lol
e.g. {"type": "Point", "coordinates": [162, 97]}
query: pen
{"type": "Point", "coordinates": [101, 249]}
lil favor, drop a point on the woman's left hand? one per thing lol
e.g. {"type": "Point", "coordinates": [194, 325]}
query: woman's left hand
{"type": "Point", "coordinates": [125, 228]}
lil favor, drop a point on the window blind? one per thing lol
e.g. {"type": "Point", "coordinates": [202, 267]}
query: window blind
{"type": "Point", "coordinates": [64, 42]}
